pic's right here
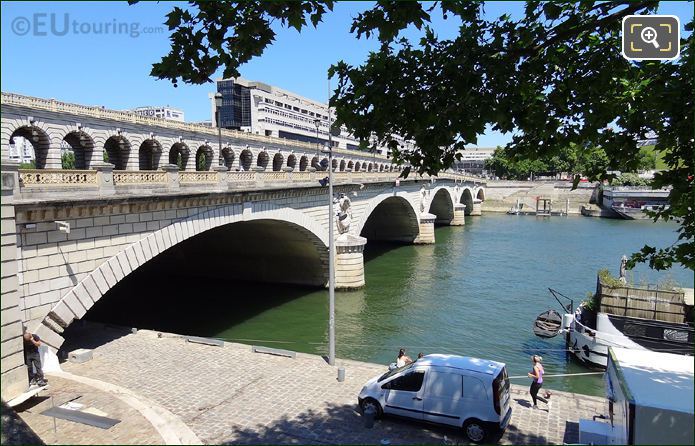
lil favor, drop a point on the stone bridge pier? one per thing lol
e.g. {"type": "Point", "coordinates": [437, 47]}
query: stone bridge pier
{"type": "Point", "coordinates": [64, 249]}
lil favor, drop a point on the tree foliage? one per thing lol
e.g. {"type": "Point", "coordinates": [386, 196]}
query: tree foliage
{"type": "Point", "coordinates": [573, 159]}
{"type": "Point", "coordinates": [554, 77]}
{"type": "Point", "coordinates": [67, 159]}
{"type": "Point", "coordinates": [629, 179]}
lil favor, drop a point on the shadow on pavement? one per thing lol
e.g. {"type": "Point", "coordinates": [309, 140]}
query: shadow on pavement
{"type": "Point", "coordinates": [90, 335]}
{"type": "Point", "coordinates": [523, 402]}
{"type": "Point", "coordinates": [343, 424]}
{"type": "Point", "coordinates": [15, 430]}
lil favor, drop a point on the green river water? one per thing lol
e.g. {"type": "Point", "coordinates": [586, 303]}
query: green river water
{"type": "Point", "coordinates": [476, 292]}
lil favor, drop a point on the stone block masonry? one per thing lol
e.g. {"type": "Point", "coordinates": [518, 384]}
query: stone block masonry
{"type": "Point", "coordinates": [13, 376]}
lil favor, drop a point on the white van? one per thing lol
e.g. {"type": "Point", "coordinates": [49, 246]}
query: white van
{"type": "Point", "coordinates": [455, 390]}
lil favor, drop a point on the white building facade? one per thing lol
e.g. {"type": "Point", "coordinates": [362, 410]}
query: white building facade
{"type": "Point", "coordinates": [168, 113]}
{"type": "Point", "coordinates": [473, 159]}
{"type": "Point", "coordinates": [267, 110]}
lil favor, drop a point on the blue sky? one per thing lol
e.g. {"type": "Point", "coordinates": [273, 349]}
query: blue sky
{"type": "Point", "coordinates": [112, 69]}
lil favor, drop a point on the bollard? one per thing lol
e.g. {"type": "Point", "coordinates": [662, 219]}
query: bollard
{"type": "Point", "coordinates": [341, 374]}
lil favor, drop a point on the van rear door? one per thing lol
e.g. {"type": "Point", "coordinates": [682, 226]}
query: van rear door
{"type": "Point", "coordinates": [500, 397]}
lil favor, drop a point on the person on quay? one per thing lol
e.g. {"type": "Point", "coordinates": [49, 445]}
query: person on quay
{"type": "Point", "coordinates": [402, 359]}
{"type": "Point", "coordinates": [537, 375]}
{"type": "Point", "coordinates": [32, 359]}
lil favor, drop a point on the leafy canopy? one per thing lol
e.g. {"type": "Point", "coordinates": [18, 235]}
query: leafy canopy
{"type": "Point", "coordinates": [554, 77]}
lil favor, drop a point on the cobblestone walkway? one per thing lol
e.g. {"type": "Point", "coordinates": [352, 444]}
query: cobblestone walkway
{"type": "Point", "coordinates": [133, 428]}
{"type": "Point", "coordinates": [231, 395]}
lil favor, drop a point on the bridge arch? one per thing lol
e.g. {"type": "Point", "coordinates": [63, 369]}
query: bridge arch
{"type": "Point", "coordinates": [442, 205]}
{"type": "Point", "coordinates": [278, 161]}
{"type": "Point", "coordinates": [39, 140]}
{"type": "Point", "coordinates": [315, 163]}
{"type": "Point", "coordinates": [203, 158]}
{"type": "Point", "coordinates": [303, 163]}
{"type": "Point", "coordinates": [292, 161]}
{"type": "Point", "coordinates": [480, 194]}
{"type": "Point", "coordinates": [342, 165]}
{"type": "Point", "coordinates": [245, 159]}
{"type": "Point", "coordinates": [179, 154]}
{"type": "Point", "coordinates": [228, 156]}
{"type": "Point", "coordinates": [370, 167]}
{"type": "Point", "coordinates": [307, 235]}
{"type": "Point", "coordinates": [149, 154]}
{"type": "Point", "coordinates": [117, 148]}
{"type": "Point", "coordinates": [358, 166]}
{"type": "Point", "coordinates": [334, 164]}
{"type": "Point", "coordinates": [262, 159]}
{"type": "Point", "coordinates": [323, 165]}
{"type": "Point", "coordinates": [350, 165]}
{"type": "Point", "coordinates": [389, 218]}
{"type": "Point", "coordinates": [82, 146]}
{"type": "Point", "coordinates": [467, 200]}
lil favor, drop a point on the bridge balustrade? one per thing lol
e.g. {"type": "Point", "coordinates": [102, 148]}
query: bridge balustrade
{"type": "Point", "coordinates": [106, 181]}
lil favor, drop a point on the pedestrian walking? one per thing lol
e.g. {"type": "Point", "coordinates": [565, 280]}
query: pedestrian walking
{"type": "Point", "coordinates": [537, 375]}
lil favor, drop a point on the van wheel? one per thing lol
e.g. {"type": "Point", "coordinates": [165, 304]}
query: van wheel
{"type": "Point", "coordinates": [475, 430]}
{"type": "Point", "coordinates": [373, 404]}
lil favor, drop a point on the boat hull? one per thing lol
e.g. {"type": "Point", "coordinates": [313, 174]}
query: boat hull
{"type": "Point", "coordinates": [590, 346]}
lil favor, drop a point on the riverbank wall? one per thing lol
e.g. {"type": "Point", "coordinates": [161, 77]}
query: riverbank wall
{"type": "Point", "coordinates": [501, 195]}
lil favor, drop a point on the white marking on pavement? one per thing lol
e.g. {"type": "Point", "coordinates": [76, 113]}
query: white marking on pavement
{"type": "Point", "coordinates": [170, 427]}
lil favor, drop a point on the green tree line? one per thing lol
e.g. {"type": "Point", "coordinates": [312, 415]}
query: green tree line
{"type": "Point", "coordinates": [574, 160]}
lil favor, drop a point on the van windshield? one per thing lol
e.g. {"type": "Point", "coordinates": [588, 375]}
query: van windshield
{"type": "Point", "coordinates": [390, 373]}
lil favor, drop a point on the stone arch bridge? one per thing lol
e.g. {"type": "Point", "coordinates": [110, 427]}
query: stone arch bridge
{"type": "Point", "coordinates": [68, 237]}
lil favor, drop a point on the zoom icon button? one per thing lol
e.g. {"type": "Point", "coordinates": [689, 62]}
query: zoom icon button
{"type": "Point", "coordinates": [651, 37]}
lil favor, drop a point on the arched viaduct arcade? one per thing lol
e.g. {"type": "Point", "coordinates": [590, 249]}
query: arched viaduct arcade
{"type": "Point", "coordinates": [132, 142]}
{"type": "Point", "coordinates": [260, 226]}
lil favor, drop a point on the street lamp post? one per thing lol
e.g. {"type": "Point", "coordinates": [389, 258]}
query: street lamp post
{"type": "Point", "coordinates": [218, 106]}
{"type": "Point", "coordinates": [331, 250]}
{"type": "Point", "coordinates": [317, 123]}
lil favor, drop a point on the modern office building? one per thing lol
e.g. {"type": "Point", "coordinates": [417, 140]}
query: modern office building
{"type": "Point", "coordinates": [264, 109]}
{"type": "Point", "coordinates": [21, 150]}
{"type": "Point", "coordinates": [169, 113]}
{"type": "Point", "coordinates": [473, 159]}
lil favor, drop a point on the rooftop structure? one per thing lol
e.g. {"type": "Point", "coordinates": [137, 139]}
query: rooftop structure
{"type": "Point", "coordinates": [461, 362]}
{"type": "Point", "coordinates": [654, 379]}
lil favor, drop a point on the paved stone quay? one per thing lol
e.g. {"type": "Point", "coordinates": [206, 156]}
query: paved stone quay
{"type": "Point", "coordinates": [231, 395]}
{"type": "Point", "coordinates": [133, 428]}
